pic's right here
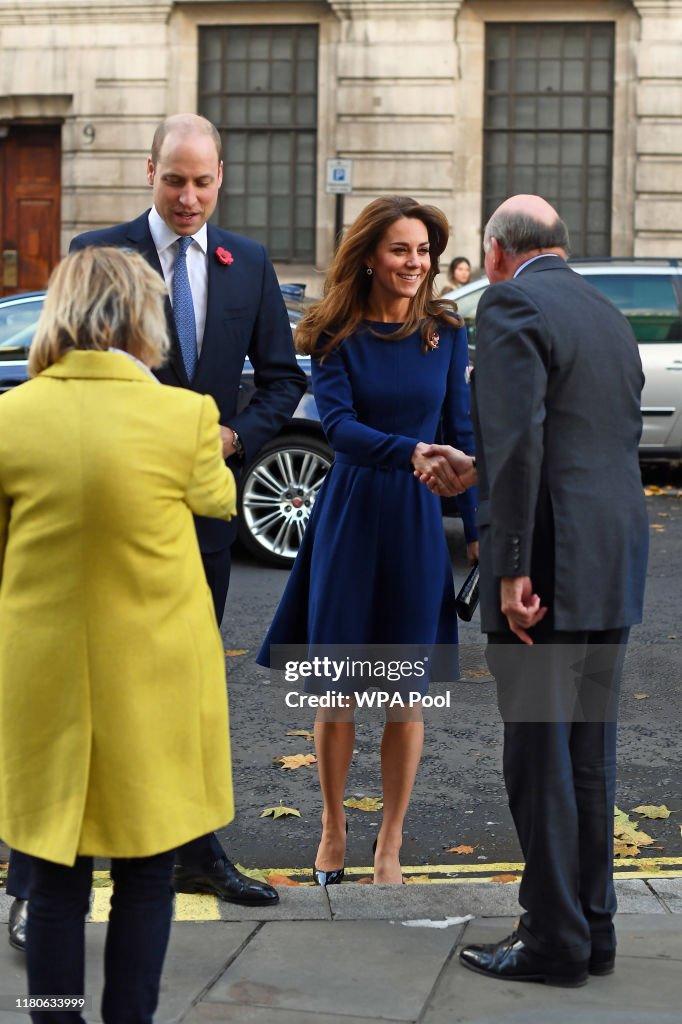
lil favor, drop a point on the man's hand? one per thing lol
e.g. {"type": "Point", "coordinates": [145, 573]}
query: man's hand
{"type": "Point", "coordinates": [445, 470]}
{"type": "Point", "coordinates": [521, 606]}
{"type": "Point", "coordinates": [227, 437]}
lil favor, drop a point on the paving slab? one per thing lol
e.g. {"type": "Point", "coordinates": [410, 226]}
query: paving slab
{"type": "Point", "coordinates": [197, 955]}
{"type": "Point", "coordinates": [398, 902]}
{"type": "Point", "coordinates": [238, 1014]}
{"type": "Point", "coordinates": [296, 903]}
{"type": "Point", "coordinates": [670, 891]}
{"type": "Point", "coordinates": [650, 936]}
{"type": "Point", "coordinates": [12, 979]}
{"type": "Point", "coordinates": [5, 903]}
{"type": "Point", "coordinates": [635, 897]}
{"type": "Point", "coordinates": [356, 969]}
{"type": "Point", "coordinates": [630, 996]}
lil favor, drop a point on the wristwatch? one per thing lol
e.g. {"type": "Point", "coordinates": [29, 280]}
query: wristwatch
{"type": "Point", "coordinates": [237, 443]}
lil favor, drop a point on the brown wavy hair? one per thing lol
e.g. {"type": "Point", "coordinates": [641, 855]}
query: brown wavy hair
{"type": "Point", "coordinates": [347, 285]}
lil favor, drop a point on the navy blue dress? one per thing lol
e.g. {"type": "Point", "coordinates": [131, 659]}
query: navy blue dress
{"type": "Point", "coordinates": [373, 566]}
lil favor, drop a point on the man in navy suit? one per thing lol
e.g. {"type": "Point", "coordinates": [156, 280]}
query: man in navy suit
{"type": "Point", "coordinates": [232, 308]}
{"type": "Point", "coordinates": [563, 551]}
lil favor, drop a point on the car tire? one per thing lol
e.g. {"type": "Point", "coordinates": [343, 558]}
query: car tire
{"type": "Point", "coordinates": [277, 493]}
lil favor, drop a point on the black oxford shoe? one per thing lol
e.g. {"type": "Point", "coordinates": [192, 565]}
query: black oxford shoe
{"type": "Point", "coordinates": [222, 879]}
{"type": "Point", "coordinates": [18, 914]}
{"type": "Point", "coordinates": [602, 961]}
{"type": "Point", "coordinates": [512, 960]}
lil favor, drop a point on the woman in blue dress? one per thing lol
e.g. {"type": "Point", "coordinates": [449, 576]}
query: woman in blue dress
{"type": "Point", "coordinates": [389, 369]}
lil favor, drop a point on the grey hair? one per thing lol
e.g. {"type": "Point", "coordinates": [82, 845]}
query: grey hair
{"type": "Point", "coordinates": [518, 233]}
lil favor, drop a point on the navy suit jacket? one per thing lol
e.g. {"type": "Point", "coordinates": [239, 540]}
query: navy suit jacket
{"type": "Point", "coordinates": [556, 409]}
{"type": "Point", "coordinates": [245, 316]}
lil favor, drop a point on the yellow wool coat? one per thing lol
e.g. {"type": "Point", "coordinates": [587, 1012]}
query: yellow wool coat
{"type": "Point", "coordinates": [113, 709]}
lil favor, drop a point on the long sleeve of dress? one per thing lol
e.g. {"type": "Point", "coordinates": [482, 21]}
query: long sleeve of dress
{"type": "Point", "coordinates": [346, 434]}
{"type": "Point", "coordinates": [457, 427]}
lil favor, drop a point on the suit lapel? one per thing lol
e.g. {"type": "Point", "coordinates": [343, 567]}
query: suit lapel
{"type": "Point", "coordinates": [141, 239]}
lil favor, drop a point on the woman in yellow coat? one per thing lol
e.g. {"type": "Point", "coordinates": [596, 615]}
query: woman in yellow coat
{"type": "Point", "coordinates": [113, 710]}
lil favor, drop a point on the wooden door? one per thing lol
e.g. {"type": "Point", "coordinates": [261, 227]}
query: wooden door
{"type": "Point", "coordinates": [30, 173]}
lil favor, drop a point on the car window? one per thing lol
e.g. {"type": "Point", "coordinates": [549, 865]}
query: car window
{"type": "Point", "coordinates": [468, 304]}
{"type": "Point", "coordinates": [17, 326]}
{"type": "Point", "coordinates": [647, 300]}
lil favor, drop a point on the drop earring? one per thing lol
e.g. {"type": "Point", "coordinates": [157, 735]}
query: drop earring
{"type": "Point", "coordinates": [369, 271]}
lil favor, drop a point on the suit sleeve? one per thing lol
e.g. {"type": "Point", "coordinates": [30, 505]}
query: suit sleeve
{"type": "Point", "coordinates": [211, 488]}
{"type": "Point", "coordinates": [457, 427]}
{"type": "Point", "coordinates": [333, 392]}
{"type": "Point", "coordinates": [512, 358]}
{"type": "Point", "coordinates": [279, 381]}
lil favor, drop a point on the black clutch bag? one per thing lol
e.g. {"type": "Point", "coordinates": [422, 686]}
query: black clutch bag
{"type": "Point", "coordinates": [466, 601]}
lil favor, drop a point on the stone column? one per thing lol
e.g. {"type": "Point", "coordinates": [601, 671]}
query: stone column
{"type": "Point", "coordinates": [397, 73]}
{"type": "Point", "coordinates": [658, 202]}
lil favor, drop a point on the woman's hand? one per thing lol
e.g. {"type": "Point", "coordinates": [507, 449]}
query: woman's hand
{"type": "Point", "coordinates": [434, 470]}
{"type": "Point", "coordinates": [472, 552]}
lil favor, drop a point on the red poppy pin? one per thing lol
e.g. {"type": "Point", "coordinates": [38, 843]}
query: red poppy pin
{"type": "Point", "coordinates": [224, 256]}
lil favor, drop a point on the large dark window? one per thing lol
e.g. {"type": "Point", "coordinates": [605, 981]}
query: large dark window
{"type": "Point", "coordinates": [549, 123]}
{"type": "Point", "coordinates": [258, 85]}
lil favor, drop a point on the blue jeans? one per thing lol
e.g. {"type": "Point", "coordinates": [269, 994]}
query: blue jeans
{"type": "Point", "coordinates": [137, 936]}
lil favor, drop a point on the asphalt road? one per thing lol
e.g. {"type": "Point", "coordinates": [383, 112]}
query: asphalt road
{"type": "Point", "coordinates": [459, 797]}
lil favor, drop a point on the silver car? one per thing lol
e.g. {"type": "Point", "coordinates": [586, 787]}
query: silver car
{"type": "Point", "coordinates": [649, 293]}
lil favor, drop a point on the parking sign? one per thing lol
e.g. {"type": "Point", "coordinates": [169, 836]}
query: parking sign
{"type": "Point", "coordinates": [339, 176]}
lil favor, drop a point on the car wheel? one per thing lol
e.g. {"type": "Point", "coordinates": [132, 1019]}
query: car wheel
{"type": "Point", "coordinates": [277, 494]}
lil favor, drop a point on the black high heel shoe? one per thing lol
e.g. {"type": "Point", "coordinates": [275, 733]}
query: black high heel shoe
{"type": "Point", "coordinates": [325, 878]}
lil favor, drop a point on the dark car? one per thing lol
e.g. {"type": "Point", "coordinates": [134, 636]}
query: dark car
{"type": "Point", "coordinates": [278, 487]}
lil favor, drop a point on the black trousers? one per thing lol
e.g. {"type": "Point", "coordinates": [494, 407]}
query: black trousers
{"type": "Point", "coordinates": [560, 776]}
{"type": "Point", "coordinates": [136, 942]}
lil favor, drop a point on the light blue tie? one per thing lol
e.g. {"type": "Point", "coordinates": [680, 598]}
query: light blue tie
{"type": "Point", "coordinates": [183, 308]}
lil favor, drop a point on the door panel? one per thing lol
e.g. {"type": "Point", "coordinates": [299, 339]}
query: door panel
{"type": "Point", "coordinates": [30, 172]}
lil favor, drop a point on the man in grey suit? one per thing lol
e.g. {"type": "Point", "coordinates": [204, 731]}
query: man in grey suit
{"type": "Point", "coordinates": [563, 551]}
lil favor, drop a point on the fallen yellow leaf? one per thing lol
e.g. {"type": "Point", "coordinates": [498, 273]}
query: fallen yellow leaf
{"type": "Point", "coordinates": [624, 849]}
{"type": "Point", "coordinates": [652, 489]}
{"type": "Point", "coordinates": [252, 872]}
{"type": "Point", "coordinates": [234, 653]}
{"type": "Point", "coordinates": [273, 878]}
{"type": "Point", "coordinates": [280, 812]}
{"type": "Point", "coordinates": [652, 811]}
{"type": "Point", "coordinates": [302, 732]}
{"type": "Point", "coordinates": [461, 849]}
{"type": "Point", "coordinates": [368, 803]}
{"type": "Point", "coordinates": [640, 696]}
{"type": "Point", "coordinates": [365, 880]}
{"type": "Point", "coordinates": [296, 760]}
{"type": "Point", "coordinates": [416, 879]}
{"type": "Point", "coordinates": [505, 878]}
{"type": "Point", "coordinates": [657, 526]}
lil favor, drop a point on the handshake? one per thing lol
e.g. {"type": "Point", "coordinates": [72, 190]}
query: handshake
{"type": "Point", "coordinates": [445, 470]}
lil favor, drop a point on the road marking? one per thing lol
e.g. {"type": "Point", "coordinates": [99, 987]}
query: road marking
{"type": "Point", "coordinates": [99, 909]}
{"type": "Point", "coordinates": [196, 907]}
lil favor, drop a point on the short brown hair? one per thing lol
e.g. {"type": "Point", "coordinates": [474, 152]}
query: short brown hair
{"type": "Point", "coordinates": [184, 123]}
{"type": "Point", "coordinates": [100, 298]}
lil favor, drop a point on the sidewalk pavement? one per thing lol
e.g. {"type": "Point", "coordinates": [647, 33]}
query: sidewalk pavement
{"type": "Point", "coordinates": [345, 955]}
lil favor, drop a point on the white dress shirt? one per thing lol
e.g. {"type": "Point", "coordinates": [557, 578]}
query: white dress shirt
{"type": "Point", "coordinates": [165, 240]}
{"type": "Point", "coordinates": [540, 256]}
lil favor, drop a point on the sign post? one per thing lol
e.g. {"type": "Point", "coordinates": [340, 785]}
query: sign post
{"type": "Point", "coordinates": [339, 182]}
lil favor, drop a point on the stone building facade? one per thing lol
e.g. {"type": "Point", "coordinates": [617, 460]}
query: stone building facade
{"type": "Point", "coordinates": [456, 102]}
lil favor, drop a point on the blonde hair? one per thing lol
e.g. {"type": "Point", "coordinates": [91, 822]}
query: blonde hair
{"type": "Point", "coordinates": [100, 298]}
{"type": "Point", "coordinates": [347, 285]}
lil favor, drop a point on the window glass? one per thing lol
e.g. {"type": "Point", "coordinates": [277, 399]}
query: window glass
{"type": "Point", "coordinates": [17, 326]}
{"type": "Point", "coordinates": [258, 84]}
{"type": "Point", "coordinates": [647, 300]}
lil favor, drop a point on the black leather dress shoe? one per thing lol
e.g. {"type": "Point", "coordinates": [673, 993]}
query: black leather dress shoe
{"type": "Point", "coordinates": [602, 961]}
{"type": "Point", "coordinates": [512, 960]}
{"type": "Point", "coordinates": [222, 879]}
{"type": "Point", "coordinates": [18, 914]}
